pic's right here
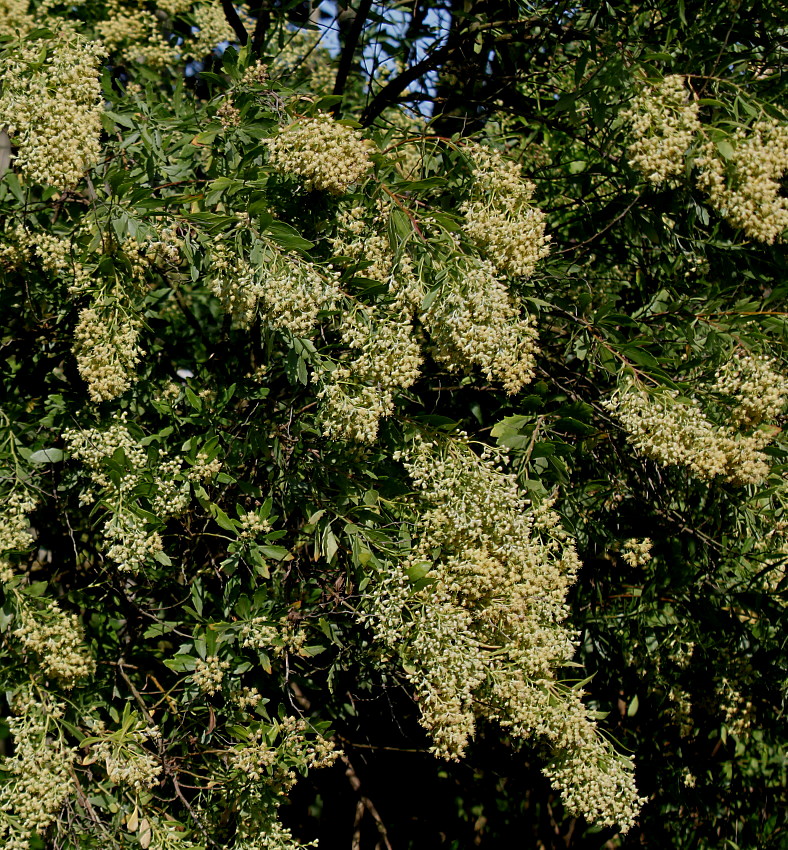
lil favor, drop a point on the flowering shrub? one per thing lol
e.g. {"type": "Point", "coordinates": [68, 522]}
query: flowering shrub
{"type": "Point", "coordinates": [305, 414]}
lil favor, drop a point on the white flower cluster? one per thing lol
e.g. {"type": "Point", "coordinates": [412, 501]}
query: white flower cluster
{"type": "Point", "coordinates": [14, 18]}
{"type": "Point", "coordinates": [254, 759]}
{"type": "Point", "coordinates": [360, 238]}
{"type": "Point", "coordinates": [440, 655]}
{"type": "Point", "coordinates": [15, 531]}
{"type": "Point", "coordinates": [38, 779]}
{"type": "Point", "coordinates": [174, 7]}
{"type": "Point", "coordinates": [7, 571]}
{"type": "Point", "coordinates": [252, 525]}
{"type": "Point", "coordinates": [682, 710]}
{"type": "Point", "coordinates": [663, 123]}
{"type": "Point", "coordinates": [209, 674]}
{"type": "Point", "coordinates": [268, 835]}
{"type": "Point", "coordinates": [737, 709]}
{"type": "Point", "coordinates": [51, 107]}
{"type": "Point", "coordinates": [483, 635]}
{"type": "Point", "coordinates": [474, 321]}
{"type": "Point", "coordinates": [135, 35]}
{"type": "Point", "coordinates": [637, 553]}
{"type": "Point", "coordinates": [172, 493]}
{"type": "Point", "coordinates": [745, 188]}
{"type": "Point", "coordinates": [140, 35]}
{"type": "Point", "coordinates": [596, 782]}
{"type": "Point", "coordinates": [136, 768]}
{"type": "Point", "coordinates": [93, 446]}
{"type": "Point", "coordinates": [259, 634]}
{"type": "Point", "coordinates": [132, 544]}
{"type": "Point", "coordinates": [164, 248]}
{"type": "Point", "coordinates": [106, 345]}
{"type": "Point", "coordinates": [246, 698]}
{"type": "Point", "coordinates": [125, 757]}
{"type": "Point", "coordinates": [499, 217]}
{"type": "Point", "coordinates": [259, 760]}
{"type": "Point", "coordinates": [257, 73]}
{"type": "Point", "coordinates": [322, 152]}
{"type": "Point", "coordinates": [593, 779]}
{"type": "Point", "coordinates": [15, 249]}
{"type": "Point", "coordinates": [232, 280]}
{"type": "Point", "coordinates": [228, 115]}
{"type": "Point", "coordinates": [760, 392]}
{"type": "Point", "coordinates": [54, 253]}
{"type": "Point", "coordinates": [55, 637]}
{"type": "Point", "coordinates": [212, 30]}
{"type": "Point", "coordinates": [360, 391]}
{"type": "Point", "coordinates": [292, 292]}
{"type": "Point", "coordinates": [673, 431]}
{"type": "Point", "coordinates": [204, 468]}
{"type": "Point", "coordinates": [289, 291]}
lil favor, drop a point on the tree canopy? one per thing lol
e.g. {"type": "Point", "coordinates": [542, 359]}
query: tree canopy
{"type": "Point", "coordinates": [391, 414]}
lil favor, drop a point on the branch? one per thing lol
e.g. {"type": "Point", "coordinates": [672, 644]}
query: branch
{"type": "Point", "coordinates": [389, 93]}
{"type": "Point", "coordinates": [355, 784]}
{"type": "Point", "coordinates": [234, 21]}
{"type": "Point", "coordinates": [348, 51]}
{"type": "Point", "coordinates": [261, 29]}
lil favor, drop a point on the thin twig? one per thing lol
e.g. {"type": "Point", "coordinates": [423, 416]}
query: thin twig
{"type": "Point", "coordinates": [355, 784]}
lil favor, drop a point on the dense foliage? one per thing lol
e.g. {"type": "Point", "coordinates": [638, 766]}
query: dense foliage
{"type": "Point", "coordinates": [390, 425]}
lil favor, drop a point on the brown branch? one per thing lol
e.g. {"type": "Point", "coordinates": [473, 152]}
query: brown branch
{"type": "Point", "coordinates": [234, 21]}
{"type": "Point", "coordinates": [261, 28]}
{"type": "Point", "coordinates": [84, 801]}
{"type": "Point", "coordinates": [136, 694]}
{"type": "Point", "coordinates": [389, 93]}
{"type": "Point", "coordinates": [194, 816]}
{"type": "Point", "coordinates": [355, 745]}
{"type": "Point", "coordinates": [348, 51]}
{"type": "Point", "coordinates": [355, 784]}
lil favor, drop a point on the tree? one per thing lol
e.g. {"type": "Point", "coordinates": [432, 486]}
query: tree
{"type": "Point", "coordinates": [338, 437]}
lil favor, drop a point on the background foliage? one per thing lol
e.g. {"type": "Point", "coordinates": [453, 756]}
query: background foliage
{"type": "Point", "coordinates": [228, 492]}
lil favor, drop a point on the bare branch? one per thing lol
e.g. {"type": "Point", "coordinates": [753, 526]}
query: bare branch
{"type": "Point", "coordinates": [234, 21]}
{"type": "Point", "coordinates": [348, 52]}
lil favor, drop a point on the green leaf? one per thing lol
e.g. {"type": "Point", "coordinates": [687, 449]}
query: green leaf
{"type": "Point", "coordinates": [725, 149]}
{"type": "Point", "coordinates": [181, 663]}
{"type": "Point", "coordinates": [288, 237]}
{"type": "Point", "coordinates": [222, 520]}
{"type": "Point", "coordinates": [419, 570]}
{"type": "Point", "coordinates": [46, 456]}
{"type": "Point", "coordinates": [509, 426]}
{"type": "Point", "coordinates": [276, 553]}
{"type": "Point", "coordinates": [159, 629]}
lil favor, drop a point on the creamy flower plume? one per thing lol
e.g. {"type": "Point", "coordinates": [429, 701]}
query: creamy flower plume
{"type": "Point", "coordinates": [55, 637]}
{"type": "Point", "coordinates": [499, 216]}
{"type": "Point", "coordinates": [663, 123]}
{"type": "Point", "coordinates": [484, 634]}
{"type": "Point", "coordinates": [51, 109]}
{"type": "Point", "coordinates": [474, 321]}
{"type": "Point", "coordinates": [107, 350]}
{"type": "Point", "coordinates": [675, 432]}
{"type": "Point", "coordinates": [325, 154]}
{"type": "Point", "coordinates": [361, 390]}
{"type": "Point", "coordinates": [38, 776]}
{"type": "Point", "coordinates": [745, 187]}
{"type": "Point", "coordinates": [15, 531]}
